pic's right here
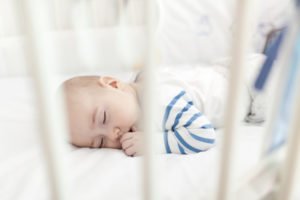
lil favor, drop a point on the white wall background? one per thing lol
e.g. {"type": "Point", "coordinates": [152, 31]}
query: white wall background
{"type": "Point", "coordinates": [84, 34]}
{"type": "Point", "coordinates": [90, 34]}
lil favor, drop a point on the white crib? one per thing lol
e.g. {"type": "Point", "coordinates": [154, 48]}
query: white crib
{"type": "Point", "coordinates": [118, 37]}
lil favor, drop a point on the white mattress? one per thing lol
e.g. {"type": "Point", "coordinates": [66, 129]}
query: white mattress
{"type": "Point", "coordinates": [106, 173]}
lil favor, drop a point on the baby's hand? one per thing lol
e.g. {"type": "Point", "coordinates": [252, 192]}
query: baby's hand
{"type": "Point", "coordinates": [131, 143]}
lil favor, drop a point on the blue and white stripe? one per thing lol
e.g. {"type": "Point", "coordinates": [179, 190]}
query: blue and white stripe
{"type": "Point", "coordinates": [186, 130]}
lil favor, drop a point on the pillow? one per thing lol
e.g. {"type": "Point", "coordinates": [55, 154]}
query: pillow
{"type": "Point", "coordinates": [278, 15]}
{"type": "Point", "coordinates": [258, 106]}
{"type": "Point", "coordinates": [194, 31]}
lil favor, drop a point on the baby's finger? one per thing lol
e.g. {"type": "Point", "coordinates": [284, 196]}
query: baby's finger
{"type": "Point", "coordinates": [126, 144]}
{"type": "Point", "coordinates": [130, 151]}
{"type": "Point", "coordinates": [136, 154]}
{"type": "Point", "coordinates": [126, 136]}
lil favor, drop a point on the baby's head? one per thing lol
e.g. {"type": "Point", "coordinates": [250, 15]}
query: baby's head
{"type": "Point", "coordinates": [100, 110]}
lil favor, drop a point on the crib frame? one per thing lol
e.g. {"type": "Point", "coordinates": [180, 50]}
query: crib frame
{"type": "Point", "coordinates": [53, 126]}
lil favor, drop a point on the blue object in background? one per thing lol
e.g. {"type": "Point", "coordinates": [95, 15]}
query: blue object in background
{"type": "Point", "coordinates": [280, 131]}
{"type": "Point", "coordinates": [271, 53]}
{"type": "Point", "coordinates": [298, 3]}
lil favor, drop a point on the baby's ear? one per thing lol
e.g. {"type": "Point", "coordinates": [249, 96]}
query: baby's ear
{"type": "Point", "coordinates": [107, 81]}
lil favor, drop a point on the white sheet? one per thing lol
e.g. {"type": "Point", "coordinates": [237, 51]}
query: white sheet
{"type": "Point", "coordinates": [100, 174]}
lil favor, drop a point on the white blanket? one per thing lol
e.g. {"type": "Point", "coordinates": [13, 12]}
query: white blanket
{"type": "Point", "coordinates": [101, 174]}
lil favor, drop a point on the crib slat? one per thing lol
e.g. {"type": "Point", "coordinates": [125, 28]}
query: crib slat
{"type": "Point", "coordinates": [291, 161]}
{"type": "Point", "coordinates": [52, 122]}
{"type": "Point", "coordinates": [9, 23]}
{"type": "Point", "coordinates": [240, 45]}
{"type": "Point", "coordinates": [280, 78]}
{"type": "Point", "coordinates": [149, 164]}
{"type": "Point", "coordinates": [292, 155]}
{"type": "Point", "coordinates": [62, 14]}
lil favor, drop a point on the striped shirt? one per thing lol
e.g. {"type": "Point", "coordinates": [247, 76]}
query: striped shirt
{"type": "Point", "coordinates": [191, 105]}
{"type": "Point", "coordinates": [186, 129]}
{"type": "Point", "coordinates": [191, 102]}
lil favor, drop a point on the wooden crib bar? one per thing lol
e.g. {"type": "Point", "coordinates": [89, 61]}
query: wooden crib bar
{"type": "Point", "coordinates": [291, 162]}
{"type": "Point", "coordinates": [240, 46]}
{"type": "Point", "coordinates": [52, 121]}
{"type": "Point", "coordinates": [149, 109]}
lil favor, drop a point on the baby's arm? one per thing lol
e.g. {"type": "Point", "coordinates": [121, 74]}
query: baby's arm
{"type": "Point", "coordinates": [186, 129]}
{"type": "Point", "coordinates": [185, 140]}
{"type": "Point", "coordinates": [194, 136]}
{"type": "Point", "coordinates": [180, 141]}
{"type": "Point", "coordinates": [132, 143]}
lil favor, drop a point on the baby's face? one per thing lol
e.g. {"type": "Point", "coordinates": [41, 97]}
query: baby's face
{"type": "Point", "coordinates": [99, 114]}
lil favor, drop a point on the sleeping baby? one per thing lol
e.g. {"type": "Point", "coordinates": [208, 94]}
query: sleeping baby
{"type": "Point", "coordinates": [104, 111]}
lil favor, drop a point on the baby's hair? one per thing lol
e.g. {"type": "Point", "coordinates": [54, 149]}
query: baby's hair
{"type": "Point", "coordinates": [80, 81]}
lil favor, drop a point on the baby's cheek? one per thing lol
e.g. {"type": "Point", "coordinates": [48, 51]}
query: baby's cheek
{"type": "Point", "coordinates": [113, 144]}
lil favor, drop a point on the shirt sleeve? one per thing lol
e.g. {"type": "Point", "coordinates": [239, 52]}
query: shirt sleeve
{"type": "Point", "coordinates": [186, 129]}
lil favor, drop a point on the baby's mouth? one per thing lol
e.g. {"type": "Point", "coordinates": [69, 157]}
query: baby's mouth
{"type": "Point", "coordinates": [133, 128]}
